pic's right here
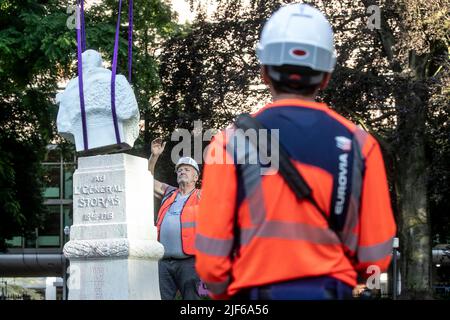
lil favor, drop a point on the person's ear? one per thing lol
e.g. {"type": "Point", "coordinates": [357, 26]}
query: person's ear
{"type": "Point", "coordinates": [325, 81]}
{"type": "Point", "coordinates": [264, 76]}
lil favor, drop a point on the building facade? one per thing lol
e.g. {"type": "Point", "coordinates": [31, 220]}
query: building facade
{"type": "Point", "coordinates": [40, 255]}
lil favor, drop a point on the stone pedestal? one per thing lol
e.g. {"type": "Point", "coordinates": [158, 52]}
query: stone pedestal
{"type": "Point", "coordinates": [113, 250]}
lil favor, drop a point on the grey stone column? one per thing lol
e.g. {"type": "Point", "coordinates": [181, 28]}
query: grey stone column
{"type": "Point", "coordinates": [113, 250]}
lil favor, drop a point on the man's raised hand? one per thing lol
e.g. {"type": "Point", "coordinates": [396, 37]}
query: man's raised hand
{"type": "Point", "coordinates": [157, 146]}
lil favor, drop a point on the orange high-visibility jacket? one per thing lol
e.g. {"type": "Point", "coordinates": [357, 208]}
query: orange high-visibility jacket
{"type": "Point", "coordinates": [188, 218]}
{"type": "Point", "coordinates": [278, 237]}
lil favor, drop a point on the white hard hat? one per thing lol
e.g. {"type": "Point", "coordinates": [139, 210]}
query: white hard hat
{"type": "Point", "coordinates": [188, 161]}
{"type": "Point", "coordinates": [297, 34]}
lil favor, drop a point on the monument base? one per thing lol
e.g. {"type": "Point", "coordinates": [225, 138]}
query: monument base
{"type": "Point", "coordinates": [113, 251]}
{"type": "Point", "coordinates": [114, 279]}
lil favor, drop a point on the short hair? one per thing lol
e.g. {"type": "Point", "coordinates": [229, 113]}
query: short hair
{"type": "Point", "coordinates": [295, 79]}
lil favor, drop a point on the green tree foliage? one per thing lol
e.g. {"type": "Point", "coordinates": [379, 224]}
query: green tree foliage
{"type": "Point", "coordinates": [28, 65]}
{"type": "Point", "coordinates": [37, 55]}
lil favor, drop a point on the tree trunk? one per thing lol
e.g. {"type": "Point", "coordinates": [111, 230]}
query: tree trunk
{"type": "Point", "coordinates": [414, 221]}
{"type": "Point", "coordinates": [414, 229]}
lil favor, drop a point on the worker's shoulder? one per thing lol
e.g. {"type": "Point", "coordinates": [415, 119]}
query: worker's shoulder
{"type": "Point", "coordinates": [364, 138]}
{"type": "Point", "coordinates": [169, 190]}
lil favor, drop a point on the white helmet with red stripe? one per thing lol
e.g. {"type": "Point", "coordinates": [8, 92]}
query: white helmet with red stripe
{"type": "Point", "coordinates": [297, 34]}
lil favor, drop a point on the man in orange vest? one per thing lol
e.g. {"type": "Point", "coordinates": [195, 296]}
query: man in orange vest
{"type": "Point", "coordinates": [176, 227]}
{"type": "Point", "coordinates": [256, 237]}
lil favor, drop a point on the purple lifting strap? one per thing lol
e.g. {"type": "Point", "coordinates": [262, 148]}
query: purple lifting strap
{"type": "Point", "coordinates": [130, 38]}
{"type": "Point", "coordinates": [81, 47]}
{"type": "Point", "coordinates": [80, 42]}
{"type": "Point", "coordinates": [113, 76]}
{"type": "Point", "coordinates": [83, 31]}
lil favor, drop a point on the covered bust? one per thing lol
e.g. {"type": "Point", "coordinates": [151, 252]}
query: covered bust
{"type": "Point", "coordinates": [100, 129]}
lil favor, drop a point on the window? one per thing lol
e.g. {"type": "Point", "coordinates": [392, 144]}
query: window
{"type": "Point", "coordinates": [58, 170]}
{"type": "Point", "coordinates": [68, 180]}
{"type": "Point", "coordinates": [50, 230]}
{"type": "Point", "coordinates": [52, 177]}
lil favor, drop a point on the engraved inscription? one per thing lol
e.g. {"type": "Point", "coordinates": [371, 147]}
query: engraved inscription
{"type": "Point", "coordinates": [99, 178]}
{"type": "Point", "coordinates": [96, 189]}
{"type": "Point", "coordinates": [94, 216]}
{"type": "Point", "coordinates": [95, 196]}
{"type": "Point", "coordinates": [102, 202]}
{"type": "Point", "coordinates": [99, 281]}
